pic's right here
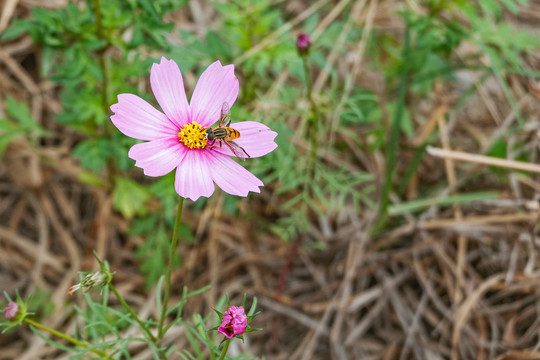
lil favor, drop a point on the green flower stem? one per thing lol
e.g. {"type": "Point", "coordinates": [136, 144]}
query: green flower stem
{"type": "Point", "coordinates": [313, 117]}
{"type": "Point", "coordinates": [64, 336]}
{"type": "Point", "coordinates": [101, 57]}
{"type": "Point", "coordinates": [393, 138]}
{"type": "Point", "coordinates": [174, 244]}
{"type": "Point", "coordinates": [99, 17]}
{"type": "Point", "coordinates": [133, 314]}
{"type": "Point", "coordinates": [225, 348]}
{"type": "Point", "coordinates": [101, 54]}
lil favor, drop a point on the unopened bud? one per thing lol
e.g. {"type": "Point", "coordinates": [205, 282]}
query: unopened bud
{"type": "Point", "coordinates": [234, 322]}
{"type": "Point", "coordinates": [11, 310]}
{"type": "Point", "coordinates": [303, 43]}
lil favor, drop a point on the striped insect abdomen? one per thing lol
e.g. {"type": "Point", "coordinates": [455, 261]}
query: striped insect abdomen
{"type": "Point", "coordinates": [219, 133]}
{"type": "Point", "coordinates": [232, 133]}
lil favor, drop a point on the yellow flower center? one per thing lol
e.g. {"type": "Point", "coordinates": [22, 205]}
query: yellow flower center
{"type": "Point", "coordinates": [193, 136]}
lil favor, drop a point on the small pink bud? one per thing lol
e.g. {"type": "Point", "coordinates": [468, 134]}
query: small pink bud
{"type": "Point", "coordinates": [303, 43]}
{"type": "Point", "coordinates": [11, 310]}
{"type": "Point", "coordinates": [234, 322]}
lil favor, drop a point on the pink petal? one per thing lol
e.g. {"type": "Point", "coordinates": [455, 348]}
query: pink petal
{"type": "Point", "coordinates": [256, 138]}
{"type": "Point", "coordinates": [168, 88]}
{"type": "Point", "coordinates": [158, 157]}
{"type": "Point", "coordinates": [216, 85]}
{"type": "Point", "coordinates": [223, 330]}
{"type": "Point", "coordinates": [238, 329]}
{"type": "Point", "coordinates": [138, 119]}
{"type": "Point", "coordinates": [193, 178]}
{"type": "Point", "coordinates": [230, 176]}
{"type": "Point", "coordinates": [11, 310]}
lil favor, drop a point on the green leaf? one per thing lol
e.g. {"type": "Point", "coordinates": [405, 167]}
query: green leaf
{"type": "Point", "coordinates": [5, 140]}
{"type": "Point", "coordinates": [251, 317]}
{"type": "Point", "coordinates": [250, 329]}
{"type": "Point", "coordinates": [129, 197]}
{"type": "Point", "coordinates": [47, 58]}
{"type": "Point", "coordinates": [154, 250]}
{"type": "Point", "coordinates": [20, 112]}
{"type": "Point", "coordinates": [419, 204]}
{"type": "Point", "coordinates": [7, 126]}
{"type": "Point", "coordinates": [18, 28]}
{"type": "Point", "coordinates": [159, 294]}
{"type": "Point", "coordinates": [90, 178]}
{"type": "Point", "coordinates": [253, 307]}
{"type": "Point", "coordinates": [93, 153]}
{"type": "Point", "coordinates": [193, 341]}
{"type": "Point", "coordinates": [198, 291]}
{"type": "Point", "coordinates": [149, 7]}
{"type": "Point", "coordinates": [219, 314]}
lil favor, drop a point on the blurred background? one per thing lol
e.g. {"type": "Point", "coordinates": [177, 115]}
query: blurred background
{"type": "Point", "coordinates": [362, 243]}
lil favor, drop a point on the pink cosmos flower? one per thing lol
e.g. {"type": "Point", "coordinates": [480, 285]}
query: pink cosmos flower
{"type": "Point", "coordinates": [177, 138]}
{"type": "Point", "coordinates": [234, 322]}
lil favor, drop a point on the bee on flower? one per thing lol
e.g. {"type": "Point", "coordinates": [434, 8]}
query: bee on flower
{"type": "Point", "coordinates": [178, 138]}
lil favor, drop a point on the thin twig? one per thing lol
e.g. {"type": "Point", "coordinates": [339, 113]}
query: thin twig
{"type": "Point", "coordinates": [482, 159]}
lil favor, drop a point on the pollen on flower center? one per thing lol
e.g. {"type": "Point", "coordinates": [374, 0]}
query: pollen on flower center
{"type": "Point", "coordinates": [193, 136]}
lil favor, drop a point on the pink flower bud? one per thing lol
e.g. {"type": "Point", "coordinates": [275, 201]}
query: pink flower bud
{"type": "Point", "coordinates": [303, 43]}
{"type": "Point", "coordinates": [11, 310]}
{"type": "Point", "coordinates": [234, 322]}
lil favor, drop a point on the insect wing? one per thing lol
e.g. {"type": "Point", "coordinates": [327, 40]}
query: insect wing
{"type": "Point", "coordinates": [225, 119]}
{"type": "Point", "coordinates": [236, 149]}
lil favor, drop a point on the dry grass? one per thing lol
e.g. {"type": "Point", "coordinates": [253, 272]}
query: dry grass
{"type": "Point", "coordinates": [450, 283]}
